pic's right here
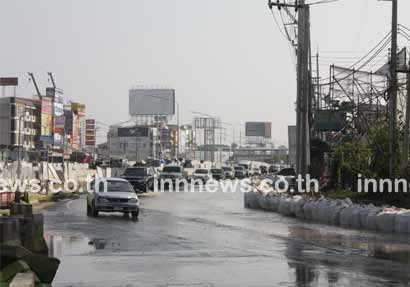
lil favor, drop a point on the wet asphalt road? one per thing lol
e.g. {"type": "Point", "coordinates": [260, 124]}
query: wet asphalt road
{"type": "Point", "coordinates": [210, 239]}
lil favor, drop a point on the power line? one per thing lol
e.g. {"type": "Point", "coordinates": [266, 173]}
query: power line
{"type": "Point", "coordinates": [384, 42]}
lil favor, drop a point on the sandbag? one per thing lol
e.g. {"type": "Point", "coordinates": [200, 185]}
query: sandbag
{"type": "Point", "coordinates": [297, 206]}
{"type": "Point", "coordinates": [251, 200]}
{"type": "Point", "coordinates": [323, 207]}
{"type": "Point", "coordinates": [274, 203]}
{"type": "Point", "coordinates": [316, 211]}
{"type": "Point", "coordinates": [385, 220]}
{"type": "Point", "coordinates": [345, 216]}
{"type": "Point", "coordinates": [263, 201]}
{"type": "Point", "coordinates": [355, 217]}
{"type": "Point", "coordinates": [371, 219]}
{"type": "Point", "coordinates": [308, 210]}
{"type": "Point", "coordinates": [332, 211]}
{"type": "Point", "coordinates": [284, 206]}
{"type": "Point", "coordinates": [364, 213]}
{"type": "Point", "coordinates": [402, 222]}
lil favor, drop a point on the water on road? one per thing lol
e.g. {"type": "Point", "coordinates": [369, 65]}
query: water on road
{"type": "Point", "coordinates": [210, 239]}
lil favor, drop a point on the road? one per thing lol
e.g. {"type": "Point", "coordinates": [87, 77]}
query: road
{"type": "Point", "coordinates": [210, 239]}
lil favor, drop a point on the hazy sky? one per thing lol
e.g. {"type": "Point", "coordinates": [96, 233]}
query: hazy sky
{"type": "Point", "coordinates": [224, 57]}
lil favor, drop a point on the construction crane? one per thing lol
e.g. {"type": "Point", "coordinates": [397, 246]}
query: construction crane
{"type": "Point", "coordinates": [31, 75]}
{"type": "Point", "coordinates": [52, 79]}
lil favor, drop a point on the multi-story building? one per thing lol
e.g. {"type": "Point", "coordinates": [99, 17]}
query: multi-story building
{"type": "Point", "coordinates": [40, 126]}
{"type": "Point", "coordinates": [19, 126]}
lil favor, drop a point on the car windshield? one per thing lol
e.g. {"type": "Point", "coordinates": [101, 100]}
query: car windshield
{"type": "Point", "coordinates": [188, 164]}
{"type": "Point", "coordinates": [226, 168]}
{"type": "Point", "coordinates": [201, 171]}
{"type": "Point", "coordinates": [240, 168]}
{"type": "Point", "coordinates": [287, 172]}
{"type": "Point", "coordinates": [216, 170]}
{"type": "Point", "coordinates": [172, 169]}
{"type": "Point", "coordinates": [135, 172]}
{"type": "Point", "coordinates": [115, 186]}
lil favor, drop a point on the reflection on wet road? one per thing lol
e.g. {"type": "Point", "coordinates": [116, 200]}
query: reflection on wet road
{"type": "Point", "coordinates": [203, 239]}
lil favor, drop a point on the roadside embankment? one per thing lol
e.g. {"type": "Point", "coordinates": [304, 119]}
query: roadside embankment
{"type": "Point", "coordinates": [337, 212]}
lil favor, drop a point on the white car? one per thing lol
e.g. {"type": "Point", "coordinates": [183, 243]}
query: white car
{"type": "Point", "coordinates": [112, 195]}
{"type": "Point", "coordinates": [202, 174]}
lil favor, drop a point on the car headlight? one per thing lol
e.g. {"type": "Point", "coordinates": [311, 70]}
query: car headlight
{"type": "Point", "coordinates": [103, 200]}
{"type": "Point", "coordinates": [133, 200]}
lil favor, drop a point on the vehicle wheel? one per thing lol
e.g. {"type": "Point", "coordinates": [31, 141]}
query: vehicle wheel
{"type": "Point", "coordinates": [135, 214]}
{"type": "Point", "coordinates": [94, 211]}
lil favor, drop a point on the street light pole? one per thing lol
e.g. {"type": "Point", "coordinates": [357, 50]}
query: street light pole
{"type": "Point", "coordinates": [178, 130]}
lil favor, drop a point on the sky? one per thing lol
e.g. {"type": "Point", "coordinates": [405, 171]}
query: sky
{"type": "Point", "coordinates": [226, 58]}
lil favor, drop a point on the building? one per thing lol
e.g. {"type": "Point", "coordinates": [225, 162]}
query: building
{"type": "Point", "coordinates": [46, 125]}
{"type": "Point", "coordinates": [169, 142]}
{"type": "Point", "coordinates": [135, 143]}
{"type": "Point", "coordinates": [19, 126]}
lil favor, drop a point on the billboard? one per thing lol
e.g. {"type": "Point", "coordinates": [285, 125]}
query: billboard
{"type": "Point", "coordinates": [78, 109]}
{"type": "Point", "coordinates": [59, 125]}
{"type": "Point", "coordinates": [46, 116]}
{"type": "Point", "coordinates": [133, 132]}
{"type": "Point", "coordinates": [9, 81]}
{"type": "Point", "coordinates": [151, 102]}
{"type": "Point", "coordinates": [258, 129]}
{"type": "Point", "coordinates": [329, 121]}
{"type": "Point", "coordinates": [90, 132]}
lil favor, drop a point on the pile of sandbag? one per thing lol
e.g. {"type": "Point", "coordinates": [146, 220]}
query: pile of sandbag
{"type": "Point", "coordinates": [337, 212]}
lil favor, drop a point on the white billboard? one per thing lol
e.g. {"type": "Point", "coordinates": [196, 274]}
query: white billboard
{"type": "Point", "coordinates": [151, 102]}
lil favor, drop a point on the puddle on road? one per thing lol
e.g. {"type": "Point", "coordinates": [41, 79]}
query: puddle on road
{"type": "Point", "coordinates": [380, 246]}
{"type": "Point", "coordinates": [75, 244]}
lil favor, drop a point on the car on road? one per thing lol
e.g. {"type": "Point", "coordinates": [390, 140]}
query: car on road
{"type": "Point", "coordinates": [246, 168]}
{"type": "Point", "coordinates": [202, 174]}
{"type": "Point", "coordinates": [229, 172]}
{"type": "Point", "coordinates": [112, 195]}
{"type": "Point", "coordinates": [218, 173]}
{"type": "Point", "coordinates": [172, 172]}
{"type": "Point", "coordinates": [141, 178]}
{"type": "Point", "coordinates": [240, 172]}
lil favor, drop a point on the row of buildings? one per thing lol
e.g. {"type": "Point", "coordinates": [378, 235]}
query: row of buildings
{"type": "Point", "coordinates": [44, 128]}
{"type": "Point", "coordinates": [140, 142]}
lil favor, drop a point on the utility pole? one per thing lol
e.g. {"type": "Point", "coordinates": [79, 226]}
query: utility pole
{"type": "Point", "coordinates": [303, 83]}
{"type": "Point", "coordinates": [393, 96]}
{"type": "Point", "coordinates": [407, 125]}
{"type": "Point", "coordinates": [18, 192]}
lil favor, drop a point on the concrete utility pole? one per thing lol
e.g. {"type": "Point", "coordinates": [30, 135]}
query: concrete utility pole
{"type": "Point", "coordinates": [18, 192]}
{"type": "Point", "coordinates": [303, 83]}
{"type": "Point", "coordinates": [407, 124]}
{"type": "Point", "coordinates": [393, 96]}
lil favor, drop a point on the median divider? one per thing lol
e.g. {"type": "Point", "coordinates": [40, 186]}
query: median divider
{"type": "Point", "coordinates": [337, 212]}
